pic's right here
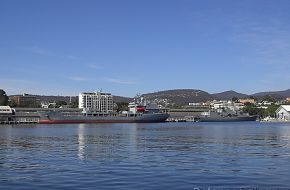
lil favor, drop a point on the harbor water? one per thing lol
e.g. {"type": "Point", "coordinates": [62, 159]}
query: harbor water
{"type": "Point", "coordinates": [238, 155]}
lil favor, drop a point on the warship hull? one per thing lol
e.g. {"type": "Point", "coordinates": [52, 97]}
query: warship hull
{"type": "Point", "coordinates": [227, 119]}
{"type": "Point", "coordinates": [60, 118]}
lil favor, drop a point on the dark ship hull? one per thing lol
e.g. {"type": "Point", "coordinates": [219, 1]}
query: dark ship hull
{"type": "Point", "coordinates": [60, 118]}
{"type": "Point", "coordinates": [227, 119]}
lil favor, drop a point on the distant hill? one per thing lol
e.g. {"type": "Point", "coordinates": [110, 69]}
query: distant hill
{"type": "Point", "coordinates": [228, 95]}
{"type": "Point", "coordinates": [278, 94]}
{"type": "Point", "coordinates": [179, 96]}
{"type": "Point", "coordinates": [185, 96]}
{"type": "Point", "coordinates": [119, 99]}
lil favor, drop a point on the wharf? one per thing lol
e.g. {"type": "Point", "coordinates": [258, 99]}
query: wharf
{"type": "Point", "coordinates": [30, 115]}
{"type": "Point", "coordinates": [17, 122]}
{"type": "Point", "coordinates": [176, 120]}
{"type": "Point", "coordinates": [19, 118]}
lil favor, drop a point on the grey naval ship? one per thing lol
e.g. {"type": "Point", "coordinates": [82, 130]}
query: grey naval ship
{"type": "Point", "coordinates": [139, 112]}
{"type": "Point", "coordinates": [225, 116]}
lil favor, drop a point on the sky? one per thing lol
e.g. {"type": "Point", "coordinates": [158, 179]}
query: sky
{"type": "Point", "coordinates": [64, 47]}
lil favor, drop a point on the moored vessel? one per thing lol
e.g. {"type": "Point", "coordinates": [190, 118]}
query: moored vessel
{"type": "Point", "coordinates": [213, 116]}
{"type": "Point", "coordinates": [59, 118]}
{"type": "Point", "coordinates": [140, 111]}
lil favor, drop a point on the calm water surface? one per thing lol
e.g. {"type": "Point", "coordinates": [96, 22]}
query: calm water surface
{"type": "Point", "coordinates": [145, 156]}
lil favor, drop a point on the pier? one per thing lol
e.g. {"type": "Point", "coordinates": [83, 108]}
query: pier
{"type": "Point", "coordinates": [17, 122]}
{"type": "Point", "coordinates": [29, 115]}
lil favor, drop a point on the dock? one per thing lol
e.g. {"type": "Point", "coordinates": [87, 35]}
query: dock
{"type": "Point", "coordinates": [29, 115]}
{"type": "Point", "coordinates": [17, 122]}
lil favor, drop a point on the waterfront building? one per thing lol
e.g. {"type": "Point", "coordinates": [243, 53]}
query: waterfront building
{"type": "Point", "coordinates": [227, 105]}
{"type": "Point", "coordinates": [6, 113]}
{"type": "Point", "coordinates": [6, 110]}
{"type": "Point", "coordinates": [96, 102]}
{"type": "Point", "coordinates": [247, 100]}
{"type": "Point", "coordinates": [25, 100]}
{"type": "Point", "coordinates": [283, 113]}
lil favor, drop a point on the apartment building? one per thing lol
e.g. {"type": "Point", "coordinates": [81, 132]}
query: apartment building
{"type": "Point", "coordinates": [96, 102]}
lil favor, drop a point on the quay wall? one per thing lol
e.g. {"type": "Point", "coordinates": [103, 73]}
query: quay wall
{"type": "Point", "coordinates": [29, 115]}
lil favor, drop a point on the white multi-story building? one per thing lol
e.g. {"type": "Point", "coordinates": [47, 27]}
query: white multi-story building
{"type": "Point", "coordinates": [96, 102]}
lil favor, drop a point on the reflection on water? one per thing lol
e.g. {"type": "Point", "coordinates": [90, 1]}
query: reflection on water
{"type": "Point", "coordinates": [98, 143]}
{"type": "Point", "coordinates": [145, 156]}
{"type": "Point", "coordinates": [81, 141]}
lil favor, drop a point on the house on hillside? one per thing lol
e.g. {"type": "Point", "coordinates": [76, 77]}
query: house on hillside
{"type": "Point", "coordinates": [283, 112]}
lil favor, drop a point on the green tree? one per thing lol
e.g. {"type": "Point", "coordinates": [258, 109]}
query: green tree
{"type": "Point", "coordinates": [271, 110]}
{"type": "Point", "coordinates": [51, 106]}
{"type": "Point", "coordinates": [12, 103]}
{"type": "Point", "coordinates": [60, 103]}
{"type": "Point", "coordinates": [3, 98]}
{"type": "Point", "coordinates": [122, 106]}
{"type": "Point", "coordinates": [74, 104]}
{"type": "Point", "coordinates": [253, 110]}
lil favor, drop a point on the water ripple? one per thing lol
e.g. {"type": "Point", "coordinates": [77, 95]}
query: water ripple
{"type": "Point", "coordinates": [145, 156]}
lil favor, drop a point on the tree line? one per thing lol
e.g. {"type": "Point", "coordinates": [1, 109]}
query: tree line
{"type": "Point", "coordinates": [261, 112]}
{"type": "Point", "coordinates": [3, 98]}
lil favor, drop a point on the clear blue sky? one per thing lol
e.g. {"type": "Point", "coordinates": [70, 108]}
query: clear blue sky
{"type": "Point", "coordinates": [64, 47]}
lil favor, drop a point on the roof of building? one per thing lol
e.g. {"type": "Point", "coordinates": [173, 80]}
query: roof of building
{"type": "Point", "coordinates": [5, 107]}
{"type": "Point", "coordinates": [286, 107]}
